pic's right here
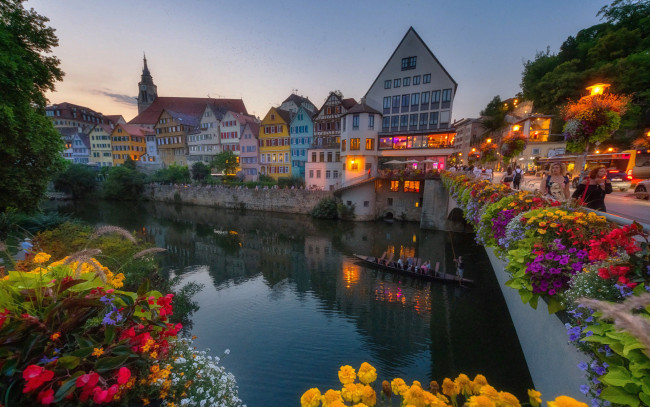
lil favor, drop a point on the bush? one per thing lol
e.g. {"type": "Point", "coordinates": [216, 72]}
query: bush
{"type": "Point", "coordinates": [291, 182]}
{"type": "Point", "coordinates": [326, 208]}
{"type": "Point", "coordinates": [77, 180]}
{"type": "Point", "coordinates": [123, 183]}
{"type": "Point", "coordinates": [200, 171]}
{"type": "Point", "coordinates": [174, 174]}
{"type": "Point", "coordinates": [266, 178]}
{"type": "Point", "coordinates": [345, 212]}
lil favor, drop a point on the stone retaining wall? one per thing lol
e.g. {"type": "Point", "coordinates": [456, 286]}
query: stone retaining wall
{"type": "Point", "coordinates": [273, 200]}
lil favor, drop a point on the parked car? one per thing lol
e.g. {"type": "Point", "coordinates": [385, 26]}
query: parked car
{"type": "Point", "coordinates": [642, 190]}
{"type": "Point", "coordinates": [619, 179]}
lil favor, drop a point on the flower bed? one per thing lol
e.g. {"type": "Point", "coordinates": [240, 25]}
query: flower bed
{"type": "Point", "coordinates": [70, 336]}
{"type": "Point", "coordinates": [569, 257]}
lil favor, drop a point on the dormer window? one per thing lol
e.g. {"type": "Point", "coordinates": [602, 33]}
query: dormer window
{"type": "Point", "coordinates": [408, 63]}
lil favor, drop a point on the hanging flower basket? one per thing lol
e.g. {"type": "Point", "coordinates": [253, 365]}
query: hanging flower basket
{"type": "Point", "coordinates": [513, 145]}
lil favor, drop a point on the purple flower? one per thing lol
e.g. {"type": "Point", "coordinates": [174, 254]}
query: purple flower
{"type": "Point", "coordinates": [45, 360]}
{"type": "Point", "coordinates": [595, 380]}
{"type": "Point", "coordinates": [557, 284]}
{"type": "Point", "coordinates": [588, 333]}
{"type": "Point", "coordinates": [550, 256]}
{"type": "Point", "coordinates": [573, 250]}
{"type": "Point", "coordinates": [538, 258]}
{"type": "Point", "coordinates": [584, 389]}
{"type": "Point", "coordinates": [595, 403]}
{"type": "Point", "coordinates": [107, 319]}
{"type": "Point", "coordinates": [581, 254]}
{"type": "Point", "coordinates": [583, 366]}
{"type": "Point", "coordinates": [552, 291]}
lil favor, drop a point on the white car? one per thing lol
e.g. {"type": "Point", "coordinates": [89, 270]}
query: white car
{"type": "Point", "coordinates": [642, 190]}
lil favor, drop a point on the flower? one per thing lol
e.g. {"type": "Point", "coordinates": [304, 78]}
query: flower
{"type": "Point", "coordinates": [123, 375]}
{"type": "Point", "coordinates": [311, 398]}
{"type": "Point", "coordinates": [399, 386]}
{"type": "Point", "coordinates": [46, 397]}
{"type": "Point", "coordinates": [98, 352]}
{"type": "Point", "coordinates": [463, 384]}
{"type": "Point", "coordinates": [330, 397]}
{"type": "Point", "coordinates": [367, 374]}
{"type": "Point", "coordinates": [565, 401]}
{"type": "Point", "coordinates": [55, 336]}
{"type": "Point", "coordinates": [35, 377]}
{"type": "Point", "coordinates": [508, 400]}
{"type": "Point", "coordinates": [534, 397]}
{"type": "Point", "coordinates": [347, 374]}
{"type": "Point", "coordinates": [41, 258]}
{"type": "Point", "coordinates": [480, 401]}
{"type": "Point", "coordinates": [449, 388]}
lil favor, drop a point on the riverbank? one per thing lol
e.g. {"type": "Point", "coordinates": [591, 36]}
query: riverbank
{"type": "Point", "coordinates": [273, 200]}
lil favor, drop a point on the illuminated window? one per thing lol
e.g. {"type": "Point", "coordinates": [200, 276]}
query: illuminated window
{"type": "Point", "coordinates": [394, 186]}
{"type": "Point", "coordinates": [411, 186]}
{"type": "Point", "coordinates": [370, 144]}
{"type": "Point", "coordinates": [355, 144]}
{"type": "Point", "coordinates": [354, 166]}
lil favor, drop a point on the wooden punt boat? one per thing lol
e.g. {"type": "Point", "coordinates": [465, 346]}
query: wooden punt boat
{"type": "Point", "coordinates": [440, 276]}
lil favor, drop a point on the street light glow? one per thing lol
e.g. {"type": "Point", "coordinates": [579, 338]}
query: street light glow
{"type": "Point", "coordinates": [597, 88]}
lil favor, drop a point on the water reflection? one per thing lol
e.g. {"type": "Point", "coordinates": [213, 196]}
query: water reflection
{"type": "Point", "coordinates": [286, 295]}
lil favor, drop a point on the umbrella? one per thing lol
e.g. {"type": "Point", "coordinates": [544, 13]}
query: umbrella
{"type": "Point", "coordinates": [411, 162]}
{"type": "Point", "coordinates": [428, 160]}
{"type": "Point", "coordinates": [395, 162]}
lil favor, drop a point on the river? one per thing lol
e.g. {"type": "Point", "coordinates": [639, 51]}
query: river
{"type": "Point", "coordinates": [284, 295]}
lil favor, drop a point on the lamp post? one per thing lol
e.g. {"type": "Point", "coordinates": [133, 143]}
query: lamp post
{"type": "Point", "coordinates": [595, 90]}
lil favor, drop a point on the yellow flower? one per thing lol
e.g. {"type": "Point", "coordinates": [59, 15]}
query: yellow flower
{"type": "Point", "coordinates": [347, 374]}
{"type": "Point", "coordinates": [478, 382]}
{"type": "Point", "coordinates": [565, 401]}
{"type": "Point", "coordinates": [311, 398]}
{"type": "Point", "coordinates": [330, 397]}
{"type": "Point", "coordinates": [367, 373]}
{"type": "Point", "coordinates": [351, 392]}
{"type": "Point", "coordinates": [98, 352]}
{"type": "Point", "coordinates": [145, 401]}
{"type": "Point", "coordinates": [541, 231]}
{"type": "Point", "coordinates": [480, 401]}
{"type": "Point", "coordinates": [399, 386]}
{"type": "Point", "coordinates": [360, 405]}
{"type": "Point", "coordinates": [508, 400]}
{"type": "Point", "coordinates": [368, 395]}
{"type": "Point", "coordinates": [338, 404]}
{"type": "Point", "coordinates": [41, 258]}
{"type": "Point", "coordinates": [554, 225]}
{"type": "Point", "coordinates": [490, 392]}
{"type": "Point", "coordinates": [535, 397]}
{"type": "Point", "coordinates": [463, 384]}
{"type": "Point", "coordinates": [449, 388]}
{"type": "Point", "coordinates": [542, 224]}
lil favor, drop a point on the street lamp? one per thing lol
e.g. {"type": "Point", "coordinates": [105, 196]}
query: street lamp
{"type": "Point", "coordinates": [489, 140]}
{"type": "Point", "coordinates": [597, 88]}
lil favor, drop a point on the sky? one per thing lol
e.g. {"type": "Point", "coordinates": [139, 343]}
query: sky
{"type": "Point", "coordinates": [262, 51]}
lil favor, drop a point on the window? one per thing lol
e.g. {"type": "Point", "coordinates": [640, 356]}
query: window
{"type": "Point", "coordinates": [444, 117]}
{"type": "Point", "coordinates": [394, 121]}
{"type": "Point", "coordinates": [355, 124]}
{"type": "Point", "coordinates": [404, 120]}
{"type": "Point", "coordinates": [343, 143]}
{"type": "Point", "coordinates": [371, 121]}
{"type": "Point", "coordinates": [425, 98]}
{"type": "Point", "coordinates": [366, 204]}
{"type": "Point", "coordinates": [416, 80]}
{"type": "Point", "coordinates": [446, 95]}
{"type": "Point", "coordinates": [408, 63]}
{"type": "Point", "coordinates": [329, 156]}
{"type": "Point", "coordinates": [354, 166]}
{"type": "Point", "coordinates": [415, 99]}
{"type": "Point", "coordinates": [414, 120]}
{"type": "Point", "coordinates": [370, 144]}
{"type": "Point", "coordinates": [313, 156]}
{"type": "Point", "coordinates": [435, 96]}
{"type": "Point", "coordinates": [394, 186]}
{"type": "Point", "coordinates": [329, 110]}
{"type": "Point", "coordinates": [396, 83]}
{"type": "Point", "coordinates": [405, 100]}
{"type": "Point", "coordinates": [411, 186]}
{"type": "Point", "coordinates": [321, 155]}
{"type": "Point", "coordinates": [387, 102]}
{"type": "Point", "coordinates": [311, 173]}
{"type": "Point", "coordinates": [336, 174]}
{"type": "Point", "coordinates": [433, 118]}
{"type": "Point", "coordinates": [385, 122]}
{"type": "Point", "coordinates": [328, 174]}
{"type": "Point", "coordinates": [389, 201]}
{"type": "Point", "coordinates": [406, 81]}
{"type": "Point", "coordinates": [423, 119]}
{"type": "Point", "coordinates": [317, 173]}
{"type": "Point", "coordinates": [426, 78]}
{"type": "Point", "coordinates": [387, 84]}
{"type": "Point", "coordinates": [355, 144]}
{"type": "Point", "coordinates": [396, 101]}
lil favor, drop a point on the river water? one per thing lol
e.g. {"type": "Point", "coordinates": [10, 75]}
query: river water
{"type": "Point", "coordinates": [285, 295]}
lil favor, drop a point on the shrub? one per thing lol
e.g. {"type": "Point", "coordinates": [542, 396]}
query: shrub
{"type": "Point", "coordinates": [200, 171]}
{"type": "Point", "coordinates": [77, 180]}
{"type": "Point", "coordinates": [123, 183]}
{"type": "Point", "coordinates": [174, 174]}
{"type": "Point", "coordinates": [326, 208]}
{"type": "Point", "coordinates": [291, 182]}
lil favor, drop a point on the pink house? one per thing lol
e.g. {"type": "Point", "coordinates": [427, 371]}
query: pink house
{"type": "Point", "coordinates": [249, 151]}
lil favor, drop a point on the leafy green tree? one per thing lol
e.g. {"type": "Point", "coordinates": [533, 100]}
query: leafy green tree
{"type": "Point", "coordinates": [226, 162]}
{"type": "Point", "coordinates": [77, 180]}
{"type": "Point", "coordinates": [30, 147]}
{"type": "Point", "coordinates": [129, 163]}
{"type": "Point", "coordinates": [174, 174]}
{"type": "Point", "coordinates": [326, 208]}
{"type": "Point", "coordinates": [123, 183]}
{"type": "Point", "coordinates": [200, 171]}
{"type": "Point", "coordinates": [493, 117]}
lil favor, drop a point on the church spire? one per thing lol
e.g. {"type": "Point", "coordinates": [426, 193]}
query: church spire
{"type": "Point", "coordinates": [147, 91]}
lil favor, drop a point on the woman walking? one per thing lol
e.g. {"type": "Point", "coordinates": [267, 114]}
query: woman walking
{"type": "Point", "coordinates": [556, 185]}
{"type": "Point", "coordinates": [591, 192]}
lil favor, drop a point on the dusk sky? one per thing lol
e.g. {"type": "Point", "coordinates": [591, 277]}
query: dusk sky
{"type": "Point", "coordinates": [261, 51]}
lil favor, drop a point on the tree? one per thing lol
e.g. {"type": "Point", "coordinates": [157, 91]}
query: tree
{"type": "Point", "coordinates": [226, 162]}
{"type": "Point", "coordinates": [200, 171]}
{"type": "Point", "coordinates": [494, 115]}
{"type": "Point", "coordinates": [174, 174]}
{"type": "Point", "coordinates": [123, 183]}
{"type": "Point", "coordinates": [77, 180]}
{"type": "Point", "coordinates": [30, 146]}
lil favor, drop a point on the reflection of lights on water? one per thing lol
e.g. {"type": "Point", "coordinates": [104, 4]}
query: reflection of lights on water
{"type": "Point", "coordinates": [421, 302]}
{"type": "Point", "coordinates": [350, 273]}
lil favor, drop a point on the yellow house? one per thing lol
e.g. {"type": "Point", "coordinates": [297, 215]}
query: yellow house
{"type": "Point", "coordinates": [275, 146]}
{"type": "Point", "coordinates": [100, 145]}
{"type": "Point", "coordinates": [129, 140]}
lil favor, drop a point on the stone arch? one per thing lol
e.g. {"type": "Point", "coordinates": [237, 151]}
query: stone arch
{"type": "Point", "coordinates": [456, 215]}
{"type": "Point", "coordinates": [388, 215]}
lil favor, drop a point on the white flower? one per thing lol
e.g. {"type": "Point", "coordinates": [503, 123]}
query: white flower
{"type": "Point", "coordinates": [226, 352]}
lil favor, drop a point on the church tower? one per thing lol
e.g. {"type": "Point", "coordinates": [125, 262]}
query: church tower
{"type": "Point", "coordinates": [147, 91]}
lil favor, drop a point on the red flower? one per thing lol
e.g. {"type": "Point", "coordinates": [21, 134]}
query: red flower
{"type": "Point", "coordinates": [88, 380]}
{"type": "Point", "coordinates": [101, 396]}
{"type": "Point", "coordinates": [36, 376]}
{"type": "Point", "coordinates": [603, 272]}
{"type": "Point", "coordinates": [46, 396]}
{"type": "Point", "coordinates": [123, 375]}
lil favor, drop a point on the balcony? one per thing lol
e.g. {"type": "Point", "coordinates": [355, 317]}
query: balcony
{"type": "Point", "coordinates": [407, 174]}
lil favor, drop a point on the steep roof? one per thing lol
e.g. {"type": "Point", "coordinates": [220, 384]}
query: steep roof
{"type": "Point", "coordinates": [348, 103]}
{"type": "Point", "coordinates": [298, 100]}
{"type": "Point", "coordinates": [362, 108]}
{"type": "Point", "coordinates": [185, 118]}
{"type": "Point", "coordinates": [285, 114]}
{"type": "Point", "coordinates": [187, 106]}
{"type": "Point", "coordinates": [116, 118]}
{"type": "Point", "coordinates": [85, 139]}
{"type": "Point", "coordinates": [66, 109]}
{"type": "Point", "coordinates": [425, 46]}
{"type": "Point", "coordinates": [135, 130]}
{"type": "Point", "coordinates": [106, 127]}
{"type": "Point", "coordinates": [254, 126]}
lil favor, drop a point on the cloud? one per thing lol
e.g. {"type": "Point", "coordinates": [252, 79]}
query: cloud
{"type": "Point", "coordinates": [120, 98]}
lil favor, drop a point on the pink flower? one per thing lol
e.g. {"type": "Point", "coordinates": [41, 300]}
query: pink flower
{"type": "Point", "coordinates": [36, 376]}
{"type": "Point", "coordinates": [123, 375]}
{"type": "Point", "coordinates": [46, 396]}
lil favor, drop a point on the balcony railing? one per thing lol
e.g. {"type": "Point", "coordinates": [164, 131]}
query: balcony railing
{"type": "Point", "coordinates": [408, 174]}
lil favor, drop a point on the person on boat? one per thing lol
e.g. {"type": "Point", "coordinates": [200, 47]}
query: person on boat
{"type": "Point", "coordinates": [425, 267]}
{"type": "Point", "coordinates": [400, 263]}
{"type": "Point", "coordinates": [460, 269]}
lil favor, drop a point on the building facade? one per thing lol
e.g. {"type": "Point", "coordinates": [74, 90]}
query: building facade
{"type": "Point", "coordinates": [204, 142]}
{"type": "Point", "coordinates": [295, 102]}
{"type": "Point", "coordinates": [147, 90]}
{"type": "Point", "coordinates": [128, 141]}
{"type": "Point", "coordinates": [101, 153]}
{"type": "Point", "coordinates": [249, 151]}
{"type": "Point", "coordinates": [171, 136]}
{"type": "Point", "coordinates": [468, 135]}
{"type": "Point", "coordinates": [301, 130]}
{"type": "Point", "coordinates": [275, 148]}
{"type": "Point", "coordinates": [81, 148]}
{"type": "Point", "coordinates": [359, 143]}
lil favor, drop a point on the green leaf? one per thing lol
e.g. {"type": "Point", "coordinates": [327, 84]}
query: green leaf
{"type": "Point", "coordinates": [645, 398]}
{"type": "Point", "coordinates": [554, 305]}
{"type": "Point", "coordinates": [109, 334]}
{"type": "Point", "coordinates": [9, 367]}
{"type": "Point", "coordinates": [513, 283]}
{"type": "Point", "coordinates": [83, 352]}
{"type": "Point", "coordinates": [526, 295]}
{"type": "Point", "coordinates": [596, 329]}
{"type": "Point", "coordinates": [631, 346]}
{"type": "Point", "coordinates": [68, 362]}
{"type": "Point", "coordinates": [144, 287]}
{"type": "Point", "coordinates": [533, 301]}
{"type": "Point", "coordinates": [68, 387]}
{"type": "Point", "coordinates": [110, 363]}
{"type": "Point", "coordinates": [617, 376]}
{"type": "Point", "coordinates": [121, 350]}
{"type": "Point", "coordinates": [619, 396]}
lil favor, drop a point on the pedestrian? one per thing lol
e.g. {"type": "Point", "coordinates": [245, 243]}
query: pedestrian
{"type": "Point", "coordinates": [478, 171]}
{"type": "Point", "coordinates": [25, 250]}
{"type": "Point", "coordinates": [556, 185]}
{"type": "Point", "coordinates": [507, 177]}
{"type": "Point", "coordinates": [592, 190]}
{"type": "Point", "coordinates": [460, 269]}
{"type": "Point", "coordinates": [489, 174]}
{"type": "Point", "coordinates": [518, 177]}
